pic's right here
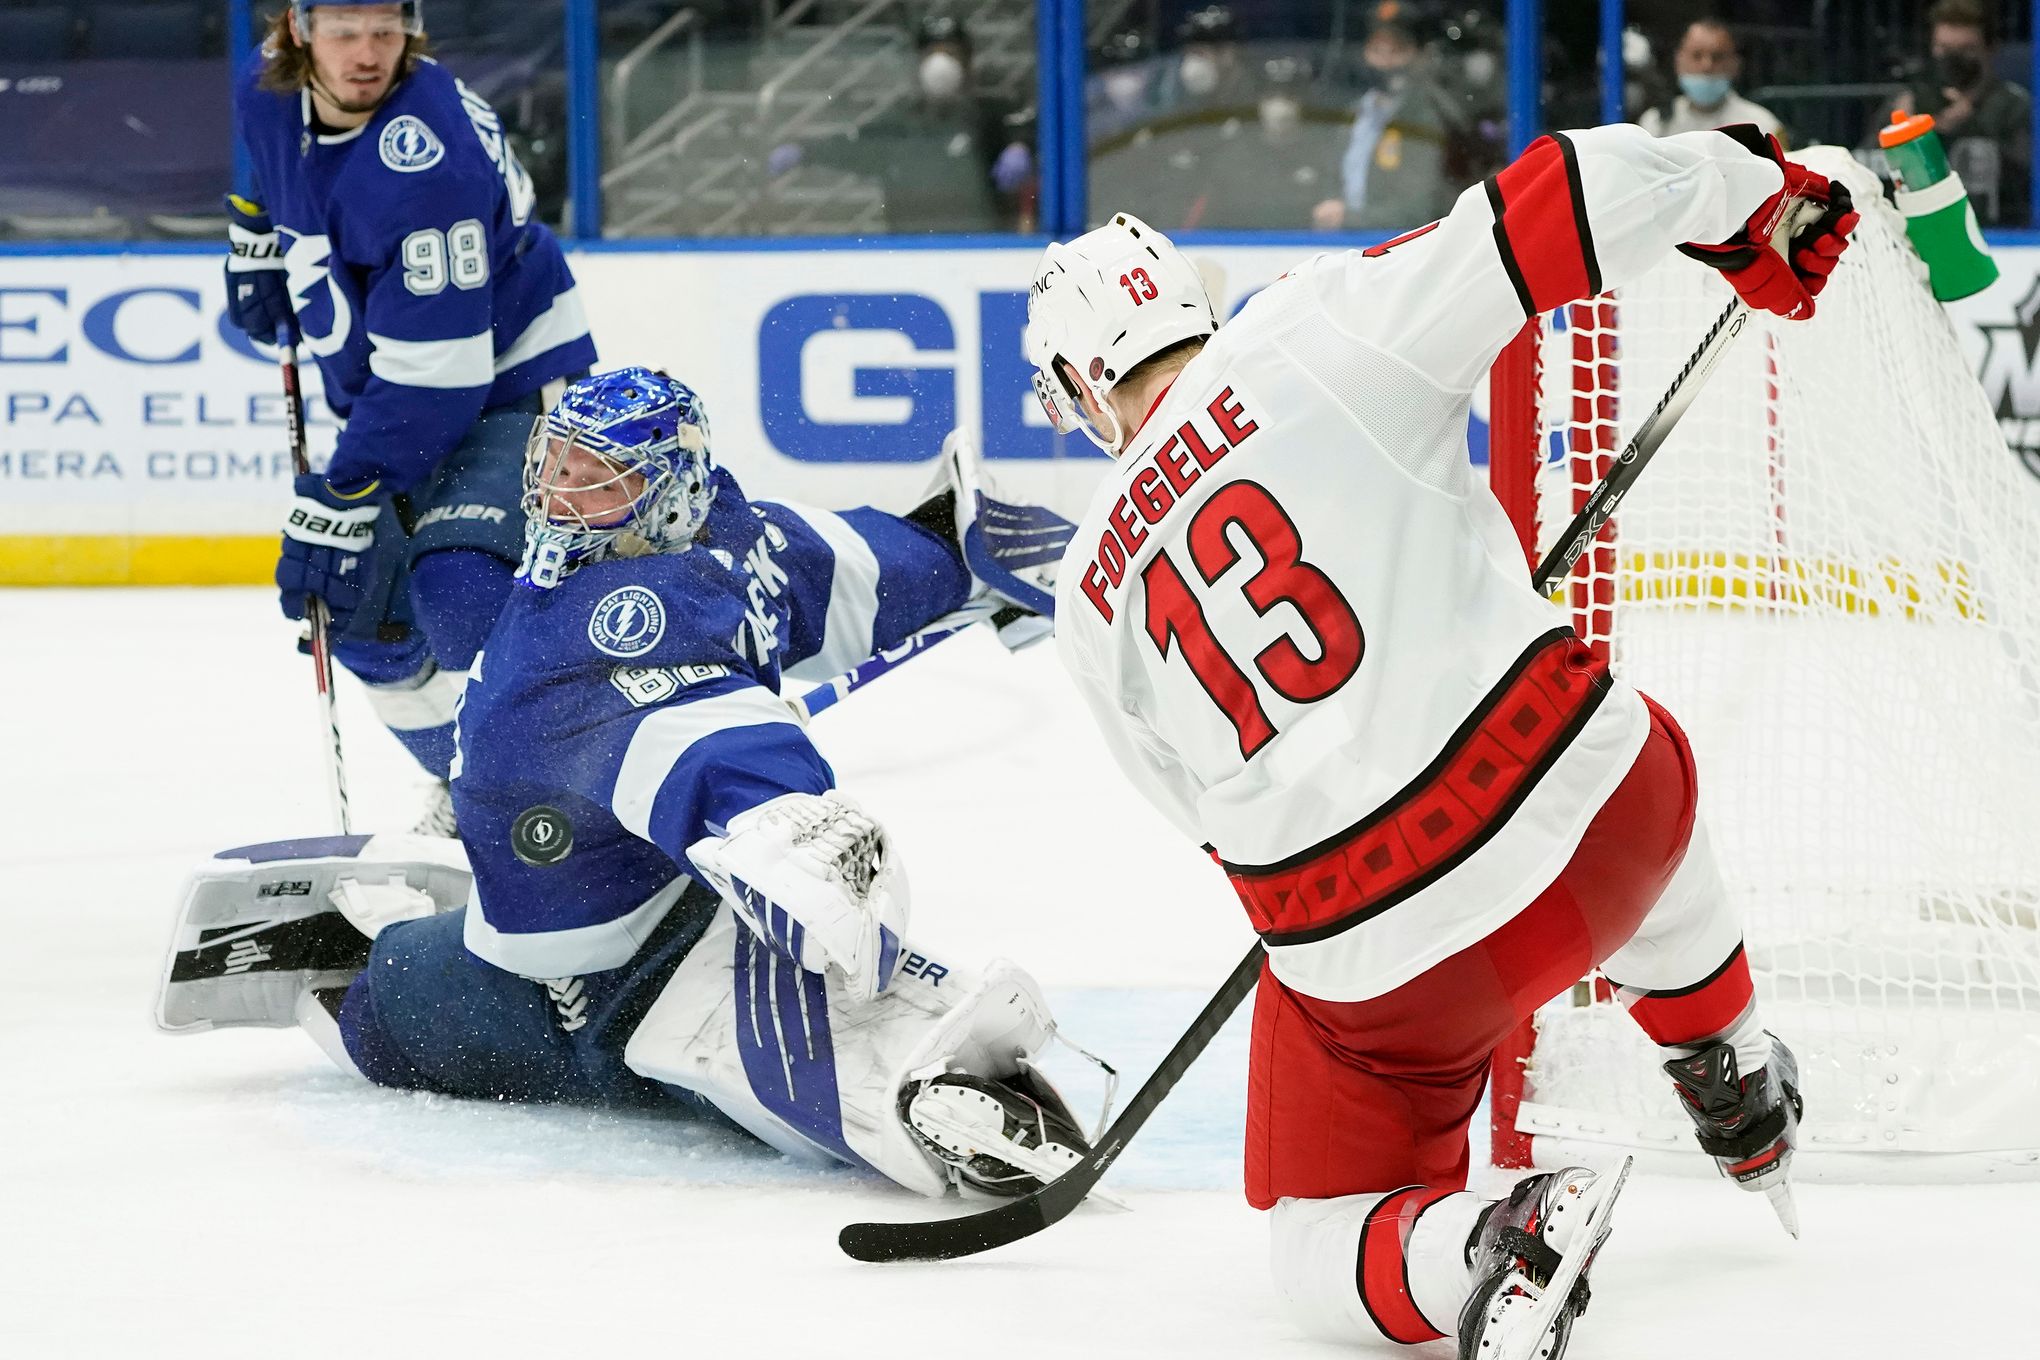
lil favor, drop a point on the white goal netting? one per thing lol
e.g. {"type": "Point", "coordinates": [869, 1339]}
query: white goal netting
{"type": "Point", "coordinates": [1830, 575]}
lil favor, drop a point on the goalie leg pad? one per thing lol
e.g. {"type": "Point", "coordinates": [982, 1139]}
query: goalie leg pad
{"type": "Point", "coordinates": [260, 924]}
{"type": "Point", "coordinates": [793, 1058]}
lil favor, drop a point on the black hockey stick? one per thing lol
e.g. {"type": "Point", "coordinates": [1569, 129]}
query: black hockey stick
{"type": "Point", "coordinates": [945, 1238]}
{"type": "Point", "coordinates": [1593, 517]}
{"type": "Point", "coordinates": [316, 620]}
{"type": "Point", "coordinates": [1586, 526]}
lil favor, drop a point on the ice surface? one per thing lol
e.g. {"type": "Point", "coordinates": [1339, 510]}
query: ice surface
{"type": "Point", "coordinates": [231, 1195]}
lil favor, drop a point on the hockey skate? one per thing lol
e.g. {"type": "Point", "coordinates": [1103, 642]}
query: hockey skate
{"type": "Point", "coordinates": [1530, 1255]}
{"type": "Point", "coordinates": [1747, 1124]}
{"type": "Point", "coordinates": [1006, 1137]}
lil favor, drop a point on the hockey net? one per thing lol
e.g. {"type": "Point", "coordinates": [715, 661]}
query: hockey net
{"type": "Point", "coordinates": [1830, 575]}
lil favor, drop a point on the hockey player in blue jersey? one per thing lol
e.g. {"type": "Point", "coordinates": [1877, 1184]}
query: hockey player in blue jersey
{"type": "Point", "coordinates": [388, 224]}
{"type": "Point", "coordinates": [664, 899]}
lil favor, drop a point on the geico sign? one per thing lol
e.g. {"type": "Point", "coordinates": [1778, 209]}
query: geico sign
{"type": "Point", "coordinates": [926, 390]}
{"type": "Point", "coordinates": [151, 324]}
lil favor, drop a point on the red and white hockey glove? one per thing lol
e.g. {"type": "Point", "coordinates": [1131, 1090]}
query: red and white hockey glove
{"type": "Point", "coordinates": [1784, 277]}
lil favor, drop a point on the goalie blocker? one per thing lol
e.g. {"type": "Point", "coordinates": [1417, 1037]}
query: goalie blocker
{"type": "Point", "coordinates": [357, 940]}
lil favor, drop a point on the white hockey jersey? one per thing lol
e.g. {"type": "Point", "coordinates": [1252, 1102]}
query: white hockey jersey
{"type": "Point", "coordinates": [1305, 626]}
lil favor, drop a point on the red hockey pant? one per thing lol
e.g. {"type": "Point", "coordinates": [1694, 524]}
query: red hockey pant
{"type": "Point", "coordinates": [1350, 1097]}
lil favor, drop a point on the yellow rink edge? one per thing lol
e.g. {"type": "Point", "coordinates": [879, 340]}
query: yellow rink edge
{"type": "Point", "coordinates": [135, 560]}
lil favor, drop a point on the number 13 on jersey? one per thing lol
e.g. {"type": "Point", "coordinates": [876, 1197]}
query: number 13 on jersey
{"type": "Point", "coordinates": [1176, 619]}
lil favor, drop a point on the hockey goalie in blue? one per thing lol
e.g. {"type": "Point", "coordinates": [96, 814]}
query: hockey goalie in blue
{"type": "Point", "coordinates": [664, 899]}
{"type": "Point", "coordinates": [387, 227]}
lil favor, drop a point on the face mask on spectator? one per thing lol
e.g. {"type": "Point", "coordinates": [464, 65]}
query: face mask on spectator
{"type": "Point", "coordinates": [1279, 113]}
{"type": "Point", "coordinates": [941, 75]}
{"type": "Point", "coordinates": [1705, 91]}
{"type": "Point", "coordinates": [1958, 70]}
{"type": "Point", "coordinates": [1123, 89]}
{"type": "Point", "coordinates": [1200, 73]}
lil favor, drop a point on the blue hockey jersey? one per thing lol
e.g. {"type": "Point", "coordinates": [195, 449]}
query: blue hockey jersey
{"type": "Point", "coordinates": [421, 284]}
{"type": "Point", "coordinates": [616, 719]}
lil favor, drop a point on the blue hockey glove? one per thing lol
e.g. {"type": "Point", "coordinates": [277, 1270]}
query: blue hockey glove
{"type": "Point", "coordinates": [327, 541]}
{"type": "Point", "coordinates": [258, 299]}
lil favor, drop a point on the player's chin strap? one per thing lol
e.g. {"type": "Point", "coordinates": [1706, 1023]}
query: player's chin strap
{"type": "Point", "coordinates": [320, 88]}
{"type": "Point", "coordinates": [1097, 436]}
{"type": "Point", "coordinates": [1075, 420]}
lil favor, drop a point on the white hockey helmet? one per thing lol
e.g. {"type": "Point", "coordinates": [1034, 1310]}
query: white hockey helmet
{"type": "Point", "coordinates": [1103, 303]}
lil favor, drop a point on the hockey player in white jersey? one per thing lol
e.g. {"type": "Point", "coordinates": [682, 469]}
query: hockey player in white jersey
{"type": "Point", "coordinates": [1306, 632]}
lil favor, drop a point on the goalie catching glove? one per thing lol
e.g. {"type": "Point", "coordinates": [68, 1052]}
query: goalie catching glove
{"type": "Point", "coordinates": [1011, 547]}
{"type": "Point", "coordinates": [815, 879]}
{"type": "Point", "coordinates": [1815, 213]}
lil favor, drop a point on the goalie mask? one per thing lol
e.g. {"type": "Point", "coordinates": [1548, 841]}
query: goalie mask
{"type": "Point", "coordinates": [1101, 304]}
{"type": "Point", "coordinates": [620, 467]}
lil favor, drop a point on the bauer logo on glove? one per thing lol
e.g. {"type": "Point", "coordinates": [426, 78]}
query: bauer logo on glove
{"type": "Point", "coordinates": [313, 523]}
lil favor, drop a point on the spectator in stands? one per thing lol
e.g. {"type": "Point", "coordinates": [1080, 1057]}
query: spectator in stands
{"type": "Point", "coordinates": [1211, 70]}
{"type": "Point", "coordinates": [1260, 163]}
{"type": "Point", "coordinates": [1986, 122]}
{"type": "Point", "coordinates": [1120, 93]}
{"type": "Point", "coordinates": [1287, 157]}
{"type": "Point", "coordinates": [1396, 168]}
{"type": "Point", "coordinates": [1706, 64]}
{"type": "Point", "coordinates": [951, 158]}
{"type": "Point", "coordinates": [1645, 86]}
{"type": "Point", "coordinates": [1469, 55]}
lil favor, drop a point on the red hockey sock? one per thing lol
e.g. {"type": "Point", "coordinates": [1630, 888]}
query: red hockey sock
{"type": "Point", "coordinates": [1705, 1010]}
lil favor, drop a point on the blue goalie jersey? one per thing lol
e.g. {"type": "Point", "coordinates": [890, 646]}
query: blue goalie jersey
{"type": "Point", "coordinates": [613, 721]}
{"type": "Point", "coordinates": [421, 284]}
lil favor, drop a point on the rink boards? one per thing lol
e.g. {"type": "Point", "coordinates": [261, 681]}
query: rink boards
{"type": "Point", "coordinates": [142, 437]}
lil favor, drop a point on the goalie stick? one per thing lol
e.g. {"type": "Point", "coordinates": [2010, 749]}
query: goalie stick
{"type": "Point", "coordinates": [831, 692]}
{"type": "Point", "coordinates": [946, 1238]}
{"type": "Point", "coordinates": [1003, 539]}
{"type": "Point", "coordinates": [316, 630]}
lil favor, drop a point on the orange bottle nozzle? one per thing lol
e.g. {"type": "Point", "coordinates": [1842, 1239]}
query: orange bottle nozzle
{"type": "Point", "coordinates": [1904, 127]}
